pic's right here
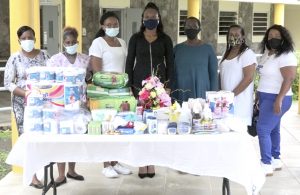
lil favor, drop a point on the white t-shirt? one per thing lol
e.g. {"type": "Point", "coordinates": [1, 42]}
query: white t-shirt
{"type": "Point", "coordinates": [231, 74]}
{"type": "Point", "coordinates": [113, 58]}
{"type": "Point", "coordinates": [269, 71]}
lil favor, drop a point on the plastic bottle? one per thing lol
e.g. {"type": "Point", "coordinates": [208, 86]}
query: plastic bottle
{"type": "Point", "coordinates": [184, 123]}
{"type": "Point", "coordinates": [196, 120]}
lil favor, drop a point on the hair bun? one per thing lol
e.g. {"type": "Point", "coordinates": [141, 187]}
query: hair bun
{"type": "Point", "coordinates": [151, 5]}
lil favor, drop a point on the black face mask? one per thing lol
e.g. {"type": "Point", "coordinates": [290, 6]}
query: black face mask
{"type": "Point", "coordinates": [151, 23]}
{"type": "Point", "coordinates": [274, 43]}
{"type": "Point", "coordinates": [191, 33]}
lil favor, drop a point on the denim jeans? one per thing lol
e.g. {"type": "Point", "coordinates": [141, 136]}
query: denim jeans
{"type": "Point", "coordinates": [268, 125]}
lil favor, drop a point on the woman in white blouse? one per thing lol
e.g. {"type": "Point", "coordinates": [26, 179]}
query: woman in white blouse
{"type": "Point", "coordinates": [237, 69]}
{"type": "Point", "coordinates": [108, 53]}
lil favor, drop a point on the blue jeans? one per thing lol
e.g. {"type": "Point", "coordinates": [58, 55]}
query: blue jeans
{"type": "Point", "coordinates": [268, 125]}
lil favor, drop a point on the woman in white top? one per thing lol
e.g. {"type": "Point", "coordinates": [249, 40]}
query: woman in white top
{"type": "Point", "coordinates": [277, 70]}
{"type": "Point", "coordinates": [108, 53]}
{"type": "Point", "coordinates": [237, 69]}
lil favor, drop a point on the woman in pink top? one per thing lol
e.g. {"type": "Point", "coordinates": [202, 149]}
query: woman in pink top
{"type": "Point", "coordinates": [69, 58]}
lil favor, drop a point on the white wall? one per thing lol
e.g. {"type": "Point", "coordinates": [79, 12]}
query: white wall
{"type": "Point", "coordinates": [114, 3]}
{"type": "Point", "coordinates": [291, 20]}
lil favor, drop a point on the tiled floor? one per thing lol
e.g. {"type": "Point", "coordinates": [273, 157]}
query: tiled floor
{"type": "Point", "coordinates": [170, 182]}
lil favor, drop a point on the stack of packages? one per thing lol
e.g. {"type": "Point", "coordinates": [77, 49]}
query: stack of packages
{"type": "Point", "coordinates": [54, 102]}
{"type": "Point", "coordinates": [111, 103]}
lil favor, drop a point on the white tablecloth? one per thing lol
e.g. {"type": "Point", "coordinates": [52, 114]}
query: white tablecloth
{"type": "Point", "coordinates": [229, 155]}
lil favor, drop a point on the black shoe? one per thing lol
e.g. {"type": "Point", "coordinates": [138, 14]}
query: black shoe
{"type": "Point", "coordinates": [150, 175]}
{"type": "Point", "coordinates": [77, 177]}
{"type": "Point", "coordinates": [61, 182]}
{"type": "Point", "coordinates": [142, 175]}
{"type": "Point", "coordinates": [37, 186]}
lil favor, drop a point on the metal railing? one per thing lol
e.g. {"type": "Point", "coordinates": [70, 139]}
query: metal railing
{"type": "Point", "coordinates": [3, 88]}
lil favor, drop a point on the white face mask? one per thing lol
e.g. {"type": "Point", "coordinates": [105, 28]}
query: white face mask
{"type": "Point", "coordinates": [71, 49]}
{"type": "Point", "coordinates": [27, 45]}
{"type": "Point", "coordinates": [112, 32]}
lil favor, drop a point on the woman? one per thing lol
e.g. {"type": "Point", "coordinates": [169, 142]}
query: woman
{"type": "Point", "coordinates": [277, 70]}
{"type": "Point", "coordinates": [108, 53]}
{"type": "Point", "coordinates": [15, 77]}
{"type": "Point", "coordinates": [237, 69]}
{"type": "Point", "coordinates": [150, 51]}
{"type": "Point", "coordinates": [195, 64]}
{"type": "Point", "coordinates": [69, 58]}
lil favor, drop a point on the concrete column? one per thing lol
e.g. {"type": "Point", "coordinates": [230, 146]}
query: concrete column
{"type": "Point", "coordinates": [279, 14]}
{"type": "Point", "coordinates": [28, 12]}
{"type": "Point", "coordinates": [194, 8]}
{"type": "Point", "coordinates": [73, 18]}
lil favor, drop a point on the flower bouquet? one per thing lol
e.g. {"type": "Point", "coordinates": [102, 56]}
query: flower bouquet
{"type": "Point", "coordinates": [153, 95]}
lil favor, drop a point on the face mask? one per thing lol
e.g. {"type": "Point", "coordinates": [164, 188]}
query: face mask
{"type": "Point", "coordinates": [191, 33]}
{"type": "Point", "coordinates": [234, 41]}
{"type": "Point", "coordinates": [27, 45]}
{"type": "Point", "coordinates": [112, 32]}
{"type": "Point", "coordinates": [71, 49]}
{"type": "Point", "coordinates": [151, 23]}
{"type": "Point", "coordinates": [274, 43]}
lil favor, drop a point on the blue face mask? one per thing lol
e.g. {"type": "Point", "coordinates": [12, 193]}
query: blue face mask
{"type": "Point", "coordinates": [151, 23]}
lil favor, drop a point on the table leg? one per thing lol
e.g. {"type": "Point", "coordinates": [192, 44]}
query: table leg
{"type": "Point", "coordinates": [47, 185]}
{"type": "Point", "coordinates": [226, 187]}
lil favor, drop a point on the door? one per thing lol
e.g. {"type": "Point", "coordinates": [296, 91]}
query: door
{"type": "Point", "coordinates": [50, 29]}
{"type": "Point", "coordinates": [131, 22]}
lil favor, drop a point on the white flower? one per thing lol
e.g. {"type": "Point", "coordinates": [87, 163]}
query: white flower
{"type": "Point", "coordinates": [148, 86]}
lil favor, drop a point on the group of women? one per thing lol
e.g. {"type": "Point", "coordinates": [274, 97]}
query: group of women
{"type": "Point", "coordinates": [188, 71]}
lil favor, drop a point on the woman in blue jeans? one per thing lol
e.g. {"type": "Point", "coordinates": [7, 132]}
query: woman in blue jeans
{"type": "Point", "coordinates": [277, 70]}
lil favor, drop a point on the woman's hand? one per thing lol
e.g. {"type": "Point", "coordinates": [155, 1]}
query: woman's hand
{"type": "Point", "coordinates": [277, 105]}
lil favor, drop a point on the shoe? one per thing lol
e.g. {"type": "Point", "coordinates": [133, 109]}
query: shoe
{"type": "Point", "coordinates": [37, 186]}
{"type": "Point", "coordinates": [150, 175]}
{"type": "Point", "coordinates": [267, 168]}
{"type": "Point", "coordinates": [110, 172]}
{"type": "Point", "coordinates": [61, 182]}
{"type": "Point", "coordinates": [77, 177]}
{"type": "Point", "coordinates": [142, 175]}
{"type": "Point", "coordinates": [121, 170]}
{"type": "Point", "coordinates": [276, 164]}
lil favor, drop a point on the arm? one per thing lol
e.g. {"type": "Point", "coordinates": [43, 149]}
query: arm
{"type": "Point", "coordinates": [289, 74]}
{"type": "Point", "coordinates": [169, 56]}
{"type": "Point", "coordinates": [96, 64]}
{"type": "Point", "coordinates": [10, 77]}
{"type": "Point", "coordinates": [213, 70]}
{"type": "Point", "coordinates": [130, 59]}
{"type": "Point", "coordinates": [248, 73]}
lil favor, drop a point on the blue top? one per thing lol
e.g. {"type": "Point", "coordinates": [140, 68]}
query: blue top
{"type": "Point", "coordinates": [196, 71]}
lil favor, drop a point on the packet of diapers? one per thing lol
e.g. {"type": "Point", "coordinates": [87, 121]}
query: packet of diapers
{"type": "Point", "coordinates": [111, 80]}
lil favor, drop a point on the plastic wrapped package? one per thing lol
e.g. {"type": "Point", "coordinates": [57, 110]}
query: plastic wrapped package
{"type": "Point", "coordinates": [94, 91]}
{"type": "Point", "coordinates": [110, 80]}
{"type": "Point", "coordinates": [72, 96]}
{"type": "Point", "coordinates": [113, 102]}
{"type": "Point", "coordinates": [103, 114]}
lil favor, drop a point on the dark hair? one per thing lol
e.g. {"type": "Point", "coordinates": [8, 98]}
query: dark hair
{"type": "Point", "coordinates": [287, 44]}
{"type": "Point", "coordinates": [23, 29]}
{"type": "Point", "coordinates": [106, 15]}
{"type": "Point", "coordinates": [70, 31]}
{"type": "Point", "coordinates": [243, 46]}
{"type": "Point", "coordinates": [193, 18]}
{"type": "Point", "coordinates": [160, 27]}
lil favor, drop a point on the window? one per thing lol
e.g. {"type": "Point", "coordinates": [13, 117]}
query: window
{"type": "Point", "coordinates": [182, 18]}
{"type": "Point", "coordinates": [226, 19]}
{"type": "Point", "coordinates": [260, 23]}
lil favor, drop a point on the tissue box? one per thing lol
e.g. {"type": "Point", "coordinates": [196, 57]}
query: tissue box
{"type": "Point", "coordinates": [114, 102]}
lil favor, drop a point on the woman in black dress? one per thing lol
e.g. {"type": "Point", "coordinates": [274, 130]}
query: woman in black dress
{"type": "Point", "coordinates": [150, 51]}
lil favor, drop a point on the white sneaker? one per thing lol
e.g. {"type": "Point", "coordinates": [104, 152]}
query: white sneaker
{"type": "Point", "coordinates": [110, 172]}
{"type": "Point", "coordinates": [268, 169]}
{"type": "Point", "coordinates": [121, 170]}
{"type": "Point", "coordinates": [276, 164]}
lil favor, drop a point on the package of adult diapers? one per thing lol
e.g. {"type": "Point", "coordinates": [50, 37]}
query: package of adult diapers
{"type": "Point", "coordinates": [94, 91]}
{"type": "Point", "coordinates": [111, 80]}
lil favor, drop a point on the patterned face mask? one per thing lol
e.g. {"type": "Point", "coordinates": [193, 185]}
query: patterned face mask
{"type": "Point", "coordinates": [234, 41]}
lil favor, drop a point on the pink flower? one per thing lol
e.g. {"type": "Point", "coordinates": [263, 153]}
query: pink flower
{"type": "Point", "coordinates": [144, 95]}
